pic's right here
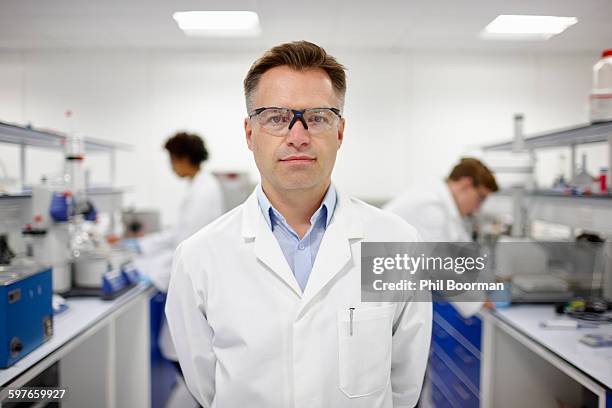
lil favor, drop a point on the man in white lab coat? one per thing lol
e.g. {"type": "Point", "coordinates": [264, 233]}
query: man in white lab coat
{"type": "Point", "coordinates": [264, 304]}
{"type": "Point", "coordinates": [440, 209]}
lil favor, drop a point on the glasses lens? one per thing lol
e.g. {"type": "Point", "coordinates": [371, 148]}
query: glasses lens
{"type": "Point", "coordinates": [320, 120]}
{"type": "Point", "coordinates": [275, 121]}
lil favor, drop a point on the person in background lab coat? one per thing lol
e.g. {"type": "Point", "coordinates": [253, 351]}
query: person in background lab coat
{"type": "Point", "coordinates": [202, 202]}
{"type": "Point", "coordinates": [440, 209]}
{"type": "Point", "coordinates": [264, 303]}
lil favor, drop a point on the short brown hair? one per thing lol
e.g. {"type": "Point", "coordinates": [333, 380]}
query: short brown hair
{"type": "Point", "coordinates": [297, 55]}
{"type": "Point", "coordinates": [189, 146]}
{"type": "Point", "coordinates": [477, 171]}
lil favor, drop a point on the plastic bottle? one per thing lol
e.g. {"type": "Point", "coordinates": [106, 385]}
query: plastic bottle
{"type": "Point", "coordinates": [603, 184]}
{"type": "Point", "coordinates": [601, 95]}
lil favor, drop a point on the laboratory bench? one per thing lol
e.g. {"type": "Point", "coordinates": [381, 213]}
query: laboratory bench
{"type": "Point", "coordinates": [504, 358]}
{"type": "Point", "coordinates": [101, 350]}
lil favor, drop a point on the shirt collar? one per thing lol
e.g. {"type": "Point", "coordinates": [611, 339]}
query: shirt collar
{"type": "Point", "coordinates": [328, 206]}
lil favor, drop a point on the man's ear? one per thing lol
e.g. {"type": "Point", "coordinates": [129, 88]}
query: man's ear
{"type": "Point", "coordinates": [248, 133]}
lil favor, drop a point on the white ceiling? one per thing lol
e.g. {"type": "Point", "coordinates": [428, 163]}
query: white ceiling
{"type": "Point", "coordinates": [353, 24]}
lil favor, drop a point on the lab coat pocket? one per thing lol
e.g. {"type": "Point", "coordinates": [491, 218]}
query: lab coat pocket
{"type": "Point", "coordinates": [364, 360]}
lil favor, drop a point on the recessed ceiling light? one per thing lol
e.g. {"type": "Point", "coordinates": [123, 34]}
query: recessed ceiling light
{"type": "Point", "coordinates": [521, 27]}
{"type": "Point", "coordinates": [218, 23]}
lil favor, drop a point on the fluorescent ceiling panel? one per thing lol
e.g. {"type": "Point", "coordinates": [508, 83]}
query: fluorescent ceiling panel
{"type": "Point", "coordinates": [218, 23]}
{"type": "Point", "coordinates": [523, 27]}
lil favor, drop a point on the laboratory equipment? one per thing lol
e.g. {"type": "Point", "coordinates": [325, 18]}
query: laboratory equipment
{"type": "Point", "coordinates": [601, 95]}
{"type": "Point", "coordinates": [49, 246]}
{"type": "Point", "coordinates": [552, 271]}
{"type": "Point", "coordinates": [514, 172]}
{"type": "Point", "coordinates": [560, 182]}
{"type": "Point", "coordinates": [137, 223]}
{"type": "Point", "coordinates": [104, 272]}
{"type": "Point", "coordinates": [597, 340]}
{"type": "Point", "coordinates": [6, 254]}
{"type": "Point", "coordinates": [566, 324]}
{"type": "Point", "coordinates": [96, 277]}
{"type": "Point", "coordinates": [539, 288]}
{"type": "Point", "coordinates": [607, 274]}
{"type": "Point", "coordinates": [60, 207]}
{"type": "Point", "coordinates": [26, 313]}
{"type": "Point", "coordinates": [583, 180]}
{"type": "Point", "coordinates": [89, 269]}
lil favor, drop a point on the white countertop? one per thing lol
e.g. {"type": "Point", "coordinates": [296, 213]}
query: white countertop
{"type": "Point", "coordinates": [82, 314]}
{"type": "Point", "coordinates": [595, 362]}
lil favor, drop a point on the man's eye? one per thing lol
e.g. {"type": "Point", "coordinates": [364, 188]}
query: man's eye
{"type": "Point", "coordinates": [317, 119]}
{"type": "Point", "coordinates": [275, 119]}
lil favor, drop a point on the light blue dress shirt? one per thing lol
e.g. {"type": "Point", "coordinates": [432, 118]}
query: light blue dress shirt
{"type": "Point", "coordinates": [300, 254]}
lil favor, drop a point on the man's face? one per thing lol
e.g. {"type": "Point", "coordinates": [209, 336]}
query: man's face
{"type": "Point", "coordinates": [298, 160]}
{"type": "Point", "coordinates": [470, 198]}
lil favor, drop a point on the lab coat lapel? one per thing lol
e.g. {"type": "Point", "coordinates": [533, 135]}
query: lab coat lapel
{"type": "Point", "coordinates": [335, 251]}
{"type": "Point", "coordinates": [266, 247]}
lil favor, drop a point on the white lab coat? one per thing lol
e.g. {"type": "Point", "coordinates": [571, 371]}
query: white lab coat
{"type": "Point", "coordinates": [201, 204]}
{"type": "Point", "coordinates": [246, 336]}
{"type": "Point", "coordinates": [432, 210]}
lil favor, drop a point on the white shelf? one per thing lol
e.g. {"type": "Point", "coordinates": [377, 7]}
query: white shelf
{"type": "Point", "coordinates": [588, 212]}
{"type": "Point", "coordinates": [592, 213]}
{"type": "Point", "coordinates": [583, 134]}
{"type": "Point", "coordinates": [19, 135]}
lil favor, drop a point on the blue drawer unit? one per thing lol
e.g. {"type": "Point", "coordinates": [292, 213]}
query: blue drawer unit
{"type": "Point", "coordinates": [454, 389]}
{"type": "Point", "coordinates": [440, 395]}
{"type": "Point", "coordinates": [461, 356]}
{"type": "Point", "coordinates": [454, 363]}
{"type": "Point", "coordinates": [470, 328]}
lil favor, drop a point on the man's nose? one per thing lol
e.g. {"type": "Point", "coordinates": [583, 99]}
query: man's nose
{"type": "Point", "coordinates": [298, 135]}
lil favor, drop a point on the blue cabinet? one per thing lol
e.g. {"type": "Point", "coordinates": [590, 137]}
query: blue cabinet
{"type": "Point", "coordinates": [453, 372]}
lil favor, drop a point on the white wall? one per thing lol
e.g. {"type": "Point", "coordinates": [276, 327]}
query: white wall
{"type": "Point", "coordinates": [408, 113]}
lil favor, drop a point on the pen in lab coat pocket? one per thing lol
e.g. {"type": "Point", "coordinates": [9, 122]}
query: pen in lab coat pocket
{"type": "Point", "coordinates": [351, 311]}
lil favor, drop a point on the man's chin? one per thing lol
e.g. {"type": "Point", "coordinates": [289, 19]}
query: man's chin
{"type": "Point", "coordinates": [299, 182]}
